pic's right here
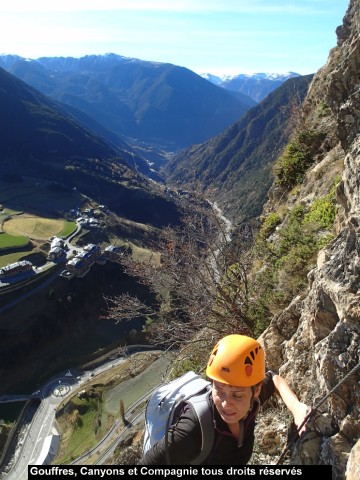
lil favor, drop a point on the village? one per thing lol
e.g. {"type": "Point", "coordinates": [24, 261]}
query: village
{"type": "Point", "coordinates": [77, 260]}
{"type": "Point", "coordinates": [79, 265]}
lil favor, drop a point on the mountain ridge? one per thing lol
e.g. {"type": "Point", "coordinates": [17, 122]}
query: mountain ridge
{"type": "Point", "coordinates": [159, 103]}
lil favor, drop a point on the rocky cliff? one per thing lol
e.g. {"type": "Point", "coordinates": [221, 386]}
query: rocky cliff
{"type": "Point", "coordinates": [315, 341]}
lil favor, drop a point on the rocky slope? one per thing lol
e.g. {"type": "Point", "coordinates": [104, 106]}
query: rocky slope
{"type": "Point", "coordinates": [315, 341]}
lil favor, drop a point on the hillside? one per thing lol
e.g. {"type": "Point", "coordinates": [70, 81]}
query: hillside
{"type": "Point", "coordinates": [158, 103]}
{"type": "Point", "coordinates": [40, 139]}
{"type": "Point", "coordinates": [42, 127]}
{"type": "Point", "coordinates": [235, 167]}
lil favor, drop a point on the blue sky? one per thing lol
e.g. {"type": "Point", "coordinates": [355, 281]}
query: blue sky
{"type": "Point", "coordinates": [215, 36]}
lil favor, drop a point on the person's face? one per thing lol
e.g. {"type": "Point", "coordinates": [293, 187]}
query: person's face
{"type": "Point", "coordinates": [232, 402]}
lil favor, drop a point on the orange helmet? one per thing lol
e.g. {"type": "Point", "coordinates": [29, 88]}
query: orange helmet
{"type": "Point", "coordinates": [237, 360]}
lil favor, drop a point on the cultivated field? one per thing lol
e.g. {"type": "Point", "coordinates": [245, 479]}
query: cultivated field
{"type": "Point", "coordinates": [31, 210]}
{"type": "Point", "coordinates": [36, 227]}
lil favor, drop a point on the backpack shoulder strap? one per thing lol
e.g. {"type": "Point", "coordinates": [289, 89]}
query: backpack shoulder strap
{"type": "Point", "coordinates": [204, 413]}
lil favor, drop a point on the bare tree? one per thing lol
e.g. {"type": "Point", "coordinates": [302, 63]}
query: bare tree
{"type": "Point", "coordinates": [202, 281]}
{"type": "Point", "coordinates": [122, 411]}
{"type": "Point", "coordinates": [97, 424]}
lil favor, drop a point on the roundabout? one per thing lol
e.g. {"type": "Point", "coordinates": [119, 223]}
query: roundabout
{"type": "Point", "coordinates": [60, 386]}
{"type": "Point", "coordinates": [61, 390]}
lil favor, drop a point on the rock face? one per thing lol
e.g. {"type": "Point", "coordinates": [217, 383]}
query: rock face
{"type": "Point", "coordinates": [315, 342]}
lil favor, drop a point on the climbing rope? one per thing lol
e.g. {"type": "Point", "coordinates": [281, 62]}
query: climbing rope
{"type": "Point", "coordinates": [314, 410]}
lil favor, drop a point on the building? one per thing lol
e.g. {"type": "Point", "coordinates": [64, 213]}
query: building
{"type": "Point", "coordinates": [91, 223]}
{"type": "Point", "coordinates": [92, 249]}
{"type": "Point", "coordinates": [57, 249]}
{"type": "Point", "coordinates": [81, 263]}
{"type": "Point", "coordinates": [89, 253]}
{"type": "Point", "coordinates": [57, 242]}
{"type": "Point", "coordinates": [56, 253]}
{"type": "Point", "coordinates": [77, 266]}
{"type": "Point", "coordinates": [15, 269]}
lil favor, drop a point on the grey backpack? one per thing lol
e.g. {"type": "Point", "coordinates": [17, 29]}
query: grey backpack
{"type": "Point", "coordinates": [161, 412]}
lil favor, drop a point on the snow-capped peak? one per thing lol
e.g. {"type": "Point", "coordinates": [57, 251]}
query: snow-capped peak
{"type": "Point", "coordinates": [219, 79]}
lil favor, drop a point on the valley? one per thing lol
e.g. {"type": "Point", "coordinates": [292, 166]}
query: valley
{"type": "Point", "coordinates": [45, 313]}
{"type": "Point", "coordinates": [50, 321]}
{"type": "Point", "coordinates": [107, 151]}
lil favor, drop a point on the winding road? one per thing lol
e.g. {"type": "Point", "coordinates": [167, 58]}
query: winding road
{"type": "Point", "coordinates": [35, 440]}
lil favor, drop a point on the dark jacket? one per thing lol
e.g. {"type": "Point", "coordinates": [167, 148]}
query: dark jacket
{"type": "Point", "coordinates": [184, 437]}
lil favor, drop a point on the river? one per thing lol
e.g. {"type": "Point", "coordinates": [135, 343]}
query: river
{"type": "Point", "coordinates": [224, 238]}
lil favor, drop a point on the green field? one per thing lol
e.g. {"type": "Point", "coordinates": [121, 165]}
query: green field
{"type": "Point", "coordinates": [10, 241]}
{"type": "Point", "coordinates": [69, 228]}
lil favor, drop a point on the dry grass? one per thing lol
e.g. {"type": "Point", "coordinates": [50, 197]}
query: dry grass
{"type": "Point", "coordinates": [36, 227]}
{"type": "Point", "coordinates": [144, 255]}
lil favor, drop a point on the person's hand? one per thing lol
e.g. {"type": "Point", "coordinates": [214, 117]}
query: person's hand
{"type": "Point", "coordinates": [300, 412]}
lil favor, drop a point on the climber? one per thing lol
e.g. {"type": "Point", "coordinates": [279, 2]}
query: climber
{"type": "Point", "coordinates": [239, 386]}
